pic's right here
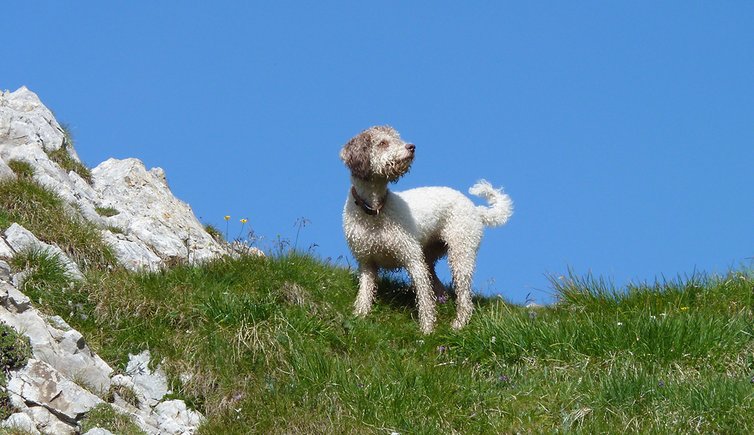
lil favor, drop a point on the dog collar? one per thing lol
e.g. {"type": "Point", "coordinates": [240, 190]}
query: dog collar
{"type": "Point", "coordinates": [371, 210]}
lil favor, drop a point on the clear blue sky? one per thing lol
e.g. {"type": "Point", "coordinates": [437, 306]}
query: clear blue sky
{"type": "Point", "coordinates": [623, 131]}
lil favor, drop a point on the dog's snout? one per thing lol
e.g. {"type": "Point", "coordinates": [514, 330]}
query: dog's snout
{"type": "Point", "coordinates": [411, 147]}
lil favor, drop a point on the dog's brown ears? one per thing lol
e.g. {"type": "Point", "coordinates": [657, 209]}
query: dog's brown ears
{"type": "Point", "coordinates": [356, 155]}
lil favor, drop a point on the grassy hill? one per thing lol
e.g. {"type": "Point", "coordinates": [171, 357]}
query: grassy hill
{"type": "Point", "coordinates": [269, 345]}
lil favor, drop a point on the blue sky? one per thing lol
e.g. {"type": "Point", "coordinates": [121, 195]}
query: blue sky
{"type": "Point", "coordinates": [623, 131]}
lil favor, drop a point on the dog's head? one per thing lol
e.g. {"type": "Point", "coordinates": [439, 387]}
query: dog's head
{"type": "Point", "coordinates": [378, 153]}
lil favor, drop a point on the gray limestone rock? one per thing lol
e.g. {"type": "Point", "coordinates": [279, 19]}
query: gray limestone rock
{"type": "Point", "coordinates": [5, 271]}
{"type": "Point", "coordinates": [20, 421]}
{"type": "Point", "coordinates": [150, 213]}
{"type": "Point", "coordinates": [153, 385]}
{"type": "Point", "coordinates": [17, 302]}
{"type": "Point", "coordinates": [6, 173]}
{"type": "Point", "coordinates": [47, 422]}
{"type": "Point", "coordinates": [5, 249]}
{"type": "Point", "coordinates": [59, 384]}
{"type": "Point", "coordinates": [24, 119]}
{"type": "Point", "coordinates": [132, 253]}
{"type": "Point", "coordinates": [174, 418]}
{"type": "Point", "coordinates": [54, 341]}
{"type": "Point", "coordinates": [40, 384]}
{"type": "Point", "coordinates": [156, 226]}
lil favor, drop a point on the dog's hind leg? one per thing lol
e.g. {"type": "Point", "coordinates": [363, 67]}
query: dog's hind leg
{"type": "Point", "coordinates": [462, 262]}
{"type": "Point", "coordinates": [437, 286]}
{"type": "Point", "coordinates": [462, 268]}
{"type": "Point", "coordinates": [432, 254]}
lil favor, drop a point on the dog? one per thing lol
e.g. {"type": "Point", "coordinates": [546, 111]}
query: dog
{"type": "Point", "coordinates": [414, 228]}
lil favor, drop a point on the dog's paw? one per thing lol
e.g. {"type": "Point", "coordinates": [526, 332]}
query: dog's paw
{"type": "Point", "coordinates": [427, 328]}
{"type": "Point", "coordinates": [360, 311]}
{"type": "Point", "coordinates": [458, 324]}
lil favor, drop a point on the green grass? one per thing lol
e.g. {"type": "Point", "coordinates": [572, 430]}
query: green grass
{"type": "Point", "coordinates": [21, 168]}
{"type": "Point", "coordinates": [269, 345]}
{"type": "Point", "coordinates": [106, 417]}
{"type": "Point", "coordinates": [125, 393]}
{"type": "Point", "coordinates": [115, 230]}
{"type": "Point", "coordinates": [106, 211]}
{"type": "Point", "coordinates": [44, 213]}
{"type": "Point", "coordinates": [47, 283]}
{"type": "Point", "coordinates": [272, 347]}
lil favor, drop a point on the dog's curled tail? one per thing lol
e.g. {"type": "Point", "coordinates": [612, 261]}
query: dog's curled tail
{"type": "Point", "coordinates": [500, 206]}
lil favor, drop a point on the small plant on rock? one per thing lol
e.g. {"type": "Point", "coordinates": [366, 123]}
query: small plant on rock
{"type": "Point", "coordinates": [106, 211]}
{"type": "Point", "coordinates": [125, 393]}
{"type": "Point", "coordinates": [45, 270]}
{"type": "Point", "coordinates": [21, 168]}
{"type": "Point", "coordinates": [214, 232]}
{"type": "Point", "coordinates": [63, 158]}
{"type": "Point", "coordinates": [106, 417]}
{"type": "Point", "coordinates": [115, 230]}
{"type": "Point", "coordinates": [15, 351]}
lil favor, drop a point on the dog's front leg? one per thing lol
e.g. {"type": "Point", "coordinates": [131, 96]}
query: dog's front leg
{"type": "Point", "coordinates": [425, 297]}
{"type": "Point", "coordinates": [367, 288]}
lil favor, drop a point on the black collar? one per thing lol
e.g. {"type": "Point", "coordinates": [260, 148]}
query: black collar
{"type": "Point", "coordinates": [371, 210]}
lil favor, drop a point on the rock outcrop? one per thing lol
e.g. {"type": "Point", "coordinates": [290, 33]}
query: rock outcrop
{"type": "Point", "coordinates": [147, 228]}
{"type": "Point", "coordinates": [149, 216]}
{"type": "Point", "coordinates": [65, 379]}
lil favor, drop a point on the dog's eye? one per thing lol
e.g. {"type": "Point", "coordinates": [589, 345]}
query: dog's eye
{"type": "Point", "coordinates": [383, 144]}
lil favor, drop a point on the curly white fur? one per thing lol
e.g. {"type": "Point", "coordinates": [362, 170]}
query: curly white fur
{"type": "Point", "coordinates": [414, 228]}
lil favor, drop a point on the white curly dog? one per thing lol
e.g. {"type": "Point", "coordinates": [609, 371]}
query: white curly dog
{"type": "Point", "coordinates": [414, 228]}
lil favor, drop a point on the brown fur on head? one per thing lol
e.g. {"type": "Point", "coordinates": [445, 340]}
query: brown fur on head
{"type": "Point", "coordinates": [378, 152]}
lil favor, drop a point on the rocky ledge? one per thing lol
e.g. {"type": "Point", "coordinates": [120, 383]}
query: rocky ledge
{"type": "Point", "coordinates": [146, 225]}
{"type": "Point", "coordinates": [147, 228]}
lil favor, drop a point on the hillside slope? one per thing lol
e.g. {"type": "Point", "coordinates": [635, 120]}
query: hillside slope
{"type": "Point", "coordinates": [264, 345]}
{"type": "Point", "coordinates": [269, 345]}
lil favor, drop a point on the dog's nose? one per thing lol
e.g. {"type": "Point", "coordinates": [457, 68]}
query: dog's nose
{"type": "Point", "coordinates": [411, 147]}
